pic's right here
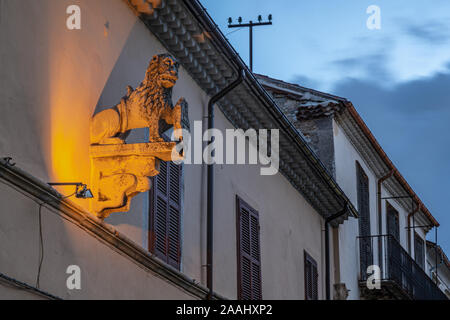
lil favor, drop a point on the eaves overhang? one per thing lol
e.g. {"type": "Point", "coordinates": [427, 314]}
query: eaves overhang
{"type": "Point", "coordinates": [189, 33]}
{"type": "Point", "coordinates": [397, 186]}
{"type": "Point", "coordinates": [315, 104]}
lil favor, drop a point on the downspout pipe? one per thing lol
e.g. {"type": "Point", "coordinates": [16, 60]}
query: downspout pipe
{"type": "Point", "coordinates": [210, 185]}
{"type": "Point", "coordinates": [327, 248]}
{"type": "Point", "coordinates": [197, 9]}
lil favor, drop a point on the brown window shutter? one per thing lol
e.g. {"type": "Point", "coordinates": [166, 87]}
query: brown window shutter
{"type": "Point", "coordinates": [308, 280]}
{"type": "Point", "coordinates": [365, 243]}
{"type": "Point", "coordinates": [249, 253]}
{"type": "Point", "coordinates": [363, 202]}
{"type": "Point", "coordinates": [174, 216]}
{"type": "Point", "coordinates": [315, 288]}
{"type": "Point", "coordinates": [159, 214]}
{"type": "Point", "coordinates": [311, 278]}
{"type": "Point", "coordinates": [165, 214]}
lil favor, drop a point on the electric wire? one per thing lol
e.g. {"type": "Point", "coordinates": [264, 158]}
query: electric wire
{"type": "Point", "coordinates": [41, 247]}
{"type": "Point", "coordinates": [233, 31]}
{"type": "Point", "coordinates": [41, 239]}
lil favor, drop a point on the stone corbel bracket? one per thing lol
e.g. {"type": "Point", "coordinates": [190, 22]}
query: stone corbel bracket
{"type": "Point", "coordinates": [120, 172]}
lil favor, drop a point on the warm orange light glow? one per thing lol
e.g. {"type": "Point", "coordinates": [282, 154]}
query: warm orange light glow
{"type": "Point", "coordinates": [79, 65]}
{"type": "Point", "coordinates": [70, 110]}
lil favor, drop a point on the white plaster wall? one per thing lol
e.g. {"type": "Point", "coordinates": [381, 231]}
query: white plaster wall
{"type": "Point", "coordinates": [443, 272]}
{"type": "Point", "coordinates": [289, 225]}
{"type": "Point", "coordinates": [346, 157]}
{"type": "Point", "coordinates": [444, 278]}
{"type": "Point", "coordinates": [105, 273]}
{"type": "Point", "coordinates": [345, 162]}
{"type": "Point", "coordinates": [52, 82]}
{"type": "Point", "coordinates": [403, 221]}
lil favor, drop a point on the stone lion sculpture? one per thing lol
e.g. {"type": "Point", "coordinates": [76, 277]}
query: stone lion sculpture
{"type": "Point", "coordinates": [120, 171]}
{"type": "Point", "coordinates": [143, 107]}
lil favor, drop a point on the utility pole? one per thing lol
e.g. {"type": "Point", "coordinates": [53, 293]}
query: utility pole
{"type": "Point", "coordinates": [250, 25]}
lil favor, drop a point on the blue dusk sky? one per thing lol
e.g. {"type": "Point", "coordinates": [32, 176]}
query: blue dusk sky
{"type": "Point", "coordinates": [398, 77]}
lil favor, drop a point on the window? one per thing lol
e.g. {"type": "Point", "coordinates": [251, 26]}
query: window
{"type": "Point", "coordinates": [165, 214]}
{"type": "Point", "coordinates": [311, 278]}
{"type": "Point", "coordinates": [419, 250]}
{"type": "Point", "coordinates": [248, 247]}
{"type": "Point", "coordinates": [365, 243]}
{"type": "Point", "coordinates": [363, 201]}
{"type": "Point", "coordinates": [392, 222]}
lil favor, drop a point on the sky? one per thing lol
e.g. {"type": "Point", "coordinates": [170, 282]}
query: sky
{"type": "Point", "coordinates": [398, 76]}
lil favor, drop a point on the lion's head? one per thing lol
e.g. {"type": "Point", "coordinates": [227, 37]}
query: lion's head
{"type": "Point", "coordinates": [163, 71]}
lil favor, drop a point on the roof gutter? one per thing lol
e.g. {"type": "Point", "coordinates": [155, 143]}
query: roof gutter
{"type": "Point", "coordinates": [388, 162]}
{"type": "Point", "coordinates": [195, 7]}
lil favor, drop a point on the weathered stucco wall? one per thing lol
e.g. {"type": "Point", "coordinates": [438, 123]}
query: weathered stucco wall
{"type": "Point", "coordinates": [319, 134]}
{"type": "Point", "coordinates": [345, 163]}
{"type": "Point", "coordinates": [52, 81]}
{"type": "Point", "coordinates": [105, 273]}
{"type": "Point", "coordinates": [289, 225]}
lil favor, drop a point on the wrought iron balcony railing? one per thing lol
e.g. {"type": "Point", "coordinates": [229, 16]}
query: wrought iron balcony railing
{"type": "Point", "coordinates": [399, 272]}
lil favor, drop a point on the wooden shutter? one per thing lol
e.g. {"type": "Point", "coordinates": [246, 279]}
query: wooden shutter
{"type": "Point", "coordinates": [165, 214]}
{"type": "Point", "coordinates": [393, 227]}
{"type": "Point", "coordinates": [419, 250]}
{"type": "Point", "coordinates": [363, 202]}
{"type": "Point", "coordinates": [365, 243]}
{"type": "Point", "coordinates": [249, 256]}
{"type": "Point", "coordinates": [311, 278]}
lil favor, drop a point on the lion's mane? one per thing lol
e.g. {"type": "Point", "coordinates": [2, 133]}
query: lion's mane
{"type": "Point", "coordinates": [150, 93]}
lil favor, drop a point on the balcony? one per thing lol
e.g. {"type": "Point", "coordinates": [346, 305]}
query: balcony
{"type": "Point", "coordinates": [401, 277]}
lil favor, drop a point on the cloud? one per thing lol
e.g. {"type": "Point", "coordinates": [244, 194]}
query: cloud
{"type": "Point", "coordinates": [431, 32]}
{"type": "Point", "coordinates": [416, 96]}
{"type": "Point", "coordinates": [411, 120]}
{"type": "Point", "coordinates": [305, 81]}
{"type": "Point", "coordinates": [372, 66]}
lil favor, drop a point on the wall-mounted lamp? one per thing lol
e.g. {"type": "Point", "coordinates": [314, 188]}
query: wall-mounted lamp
{"type": "Point", "coordinates": [8, 161]}
{"type": "Point", "coordinates": [81, 190]}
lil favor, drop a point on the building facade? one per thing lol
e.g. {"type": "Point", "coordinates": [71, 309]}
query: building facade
{"type": "Point", "coordinates": [393, 222]}
{"type": "Point", "coordinates": [335, 207]}
{"type": "Point", "coordinates": [266, 240]}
